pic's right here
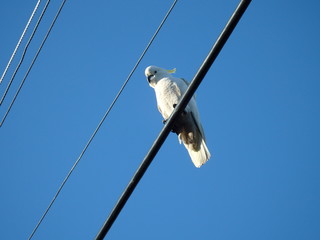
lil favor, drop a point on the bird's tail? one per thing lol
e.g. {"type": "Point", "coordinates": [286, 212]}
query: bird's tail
{"type": "Point", "coordinates": [201, 156]}
{"type": "Point", "coordinates": [190, 133]}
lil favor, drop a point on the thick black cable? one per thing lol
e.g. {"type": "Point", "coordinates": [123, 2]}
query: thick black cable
{"type": "Point", "coordinates": [19, 42]}
{"type": "Point", "coordinates": [24, 52]}
{"type": "Point", "coordinates": [234, 19]}
{"type": "Point", "coordinates": [103, 119]}
{"type": "Point", "coordinates": [32, 63]}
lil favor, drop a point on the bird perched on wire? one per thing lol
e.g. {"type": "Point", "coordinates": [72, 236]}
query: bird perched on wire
{"type": "Point", "coordinates": [169, 91]}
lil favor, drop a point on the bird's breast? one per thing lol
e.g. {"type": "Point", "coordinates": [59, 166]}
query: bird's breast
{"type": "Point", "coordinates": [167, 94]}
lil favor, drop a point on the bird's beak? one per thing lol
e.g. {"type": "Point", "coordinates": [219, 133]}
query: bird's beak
{"type": "Point", "coordinates": [171, 71]}
{"type": "Point", "coordinates": [149, 78]}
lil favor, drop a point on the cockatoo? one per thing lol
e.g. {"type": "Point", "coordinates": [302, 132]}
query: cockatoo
{"type": "Point", "coordinates": [169, 91]}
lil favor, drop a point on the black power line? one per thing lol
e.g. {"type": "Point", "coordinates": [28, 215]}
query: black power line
{"type": "Point", "coordinates": [33, 60]}
{"type": "Point", "coordinates": [25, 76]}
{"type": "Point", "coordinates": [19, 42]}
{"type": "Point", "coordinates": [103, 118]}
{"type": "Point", "coordinates": [222, 39]}
{"type": "Point", "coordinates": [24, 52]}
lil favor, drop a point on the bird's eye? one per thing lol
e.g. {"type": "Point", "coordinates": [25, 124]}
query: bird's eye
{"type": "Point", "coordinates": [155, 72]}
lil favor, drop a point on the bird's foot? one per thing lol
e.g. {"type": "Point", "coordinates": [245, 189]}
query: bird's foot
{"type": "Point", "coordinates": [184, 111]}
{"type": "Point", "coordinates": [164, 122]}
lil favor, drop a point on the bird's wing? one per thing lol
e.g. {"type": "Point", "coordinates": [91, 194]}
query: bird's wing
{"type": "Point", "coordinates": [183, 86]}
{"type": "Point", "coordinates": [199, 125]}
{"type": "Point", "coordinates": [187, 83]}
{"type": "Point", "coordinates": [193, 108]}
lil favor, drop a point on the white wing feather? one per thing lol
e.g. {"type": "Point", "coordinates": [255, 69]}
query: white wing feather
{"type": "Point", "coordinates": [168, 93]}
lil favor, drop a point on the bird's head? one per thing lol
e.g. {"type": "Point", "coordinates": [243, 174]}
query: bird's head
{"type": "Point", "coordinates": [154, 74]}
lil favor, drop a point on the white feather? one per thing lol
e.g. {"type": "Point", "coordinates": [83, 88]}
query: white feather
{"type": "Point", "coordinates": [168, 90]}
{"type": "Point", "coordinates": [200, 157]}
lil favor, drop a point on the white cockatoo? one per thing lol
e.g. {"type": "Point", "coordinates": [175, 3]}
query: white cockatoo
{"type": "Point", "coordinates": [169, 91]}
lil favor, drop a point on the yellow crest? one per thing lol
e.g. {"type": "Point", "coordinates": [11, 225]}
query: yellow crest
{"type": "Point", "coordinates": [171, 71]}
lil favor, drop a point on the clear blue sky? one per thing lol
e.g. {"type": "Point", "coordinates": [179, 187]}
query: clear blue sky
{"type": "Point", "coordinates": [259, 106]}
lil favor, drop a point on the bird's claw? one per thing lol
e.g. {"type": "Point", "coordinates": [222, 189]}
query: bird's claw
{"type": "Point", "coordinates": [164, 122]}
{"type": "Point", "coordinates": [184, 111]}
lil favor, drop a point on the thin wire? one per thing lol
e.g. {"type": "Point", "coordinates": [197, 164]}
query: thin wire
{"type": "Point", "coordinates": [19, 42]}
{"type": "Point", "coordinates": [24, 51]}
{"type": "Point", "coordinates": [102, 120]}
{"type": "Point", "coordinates": [33, 61]}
